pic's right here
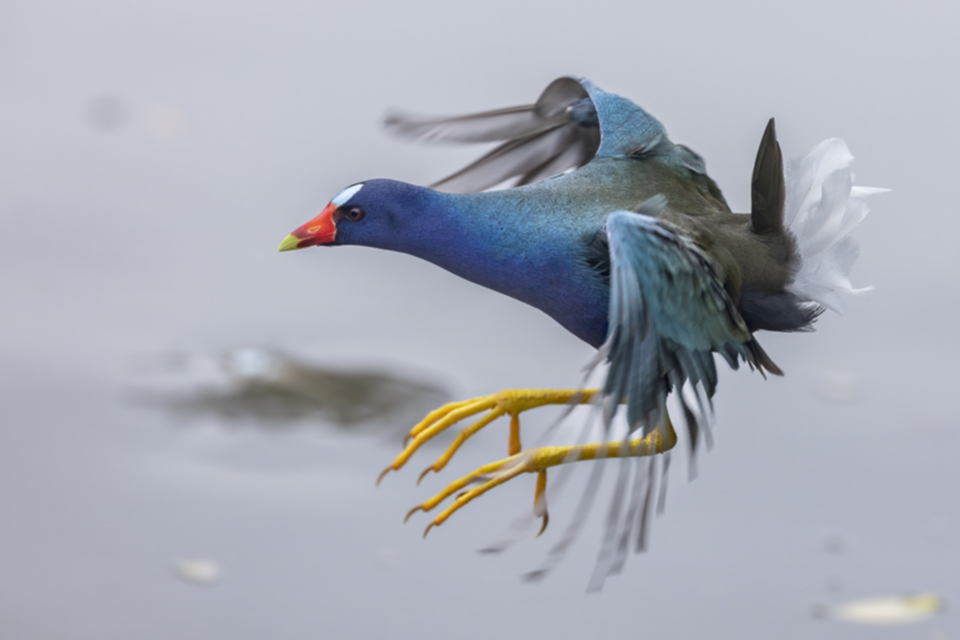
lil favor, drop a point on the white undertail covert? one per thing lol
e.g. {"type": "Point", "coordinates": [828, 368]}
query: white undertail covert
{"type": "Point", "coordinates": [822, 209]}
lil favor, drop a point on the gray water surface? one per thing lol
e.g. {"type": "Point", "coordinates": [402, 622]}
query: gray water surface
{"type": "Point", "coordinates": [154, 154]}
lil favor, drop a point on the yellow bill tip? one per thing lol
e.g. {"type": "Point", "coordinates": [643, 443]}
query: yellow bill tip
{"type": "Point", "coordinates": [289, 243]}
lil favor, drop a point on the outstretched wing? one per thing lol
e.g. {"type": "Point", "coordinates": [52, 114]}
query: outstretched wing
{"type": "Point", "coordinates": [669, 312]}
{"type": "Point", "coordinates": [561, 131]}
{"type": "Point", "coordinates": [571, 123]}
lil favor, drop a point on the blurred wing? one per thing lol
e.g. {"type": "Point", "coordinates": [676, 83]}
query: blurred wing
{"type": "Point", "coordinates": [669, 312]}
{"type": "Point", "coordinates": [560, 132]}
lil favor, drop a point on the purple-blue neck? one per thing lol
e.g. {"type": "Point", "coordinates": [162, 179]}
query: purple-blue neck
{"type": "Point", "coordinates": [500, 240]}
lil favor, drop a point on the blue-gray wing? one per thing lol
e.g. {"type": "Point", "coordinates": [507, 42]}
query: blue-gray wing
{"type": "Point", "coordinates": [557, 133]}
{"type": "Point", "coordinates": [669, 311]}
{"type": "Point", "coordinates": [571, 123]}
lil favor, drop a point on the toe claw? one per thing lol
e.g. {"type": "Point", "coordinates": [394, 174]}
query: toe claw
{"type": "Point", "coordinates": [424, 474]}
{"type": "Point", "coordinates": [540, 500]}
{"type": "Point", "coordinates": [546, 521]}
{"type": "Point", "coordinates": [419, 507]}
{"type": "Point", "coordinates": [383, 473]}
{"type": "Point", "coordinates": [427, 530]}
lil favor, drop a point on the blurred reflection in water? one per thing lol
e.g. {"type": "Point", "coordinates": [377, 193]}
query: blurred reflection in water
{"type": "Point", "coordinates": [269, 389]}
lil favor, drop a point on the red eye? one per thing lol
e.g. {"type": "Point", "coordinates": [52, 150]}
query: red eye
{"type": "Point", "coordinates": [355, 213]}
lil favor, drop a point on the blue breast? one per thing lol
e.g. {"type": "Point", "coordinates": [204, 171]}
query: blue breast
{"type": "Point", "coordinates": [529, 245]}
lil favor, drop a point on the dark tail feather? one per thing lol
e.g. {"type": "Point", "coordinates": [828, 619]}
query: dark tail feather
{"type": "Point", "coordinates": [768, 191]}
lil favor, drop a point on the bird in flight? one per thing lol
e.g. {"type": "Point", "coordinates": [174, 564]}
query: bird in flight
{"type": "Point", "coordinates": [618, 234]}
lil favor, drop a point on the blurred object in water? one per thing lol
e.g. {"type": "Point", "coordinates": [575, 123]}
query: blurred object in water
{"type": "Point", "coordinates": [162, 121]}
{"type": "Point", "coordinates": [891, 610]}
{"type": "Point", "coordinates": [269, 387]}
{"type": "Point", "coordinates": [839, 386]}
{"type": "Point", "coordinates": [834, 583]}
{"type": "Point", "coordinates": [834, 543]}
{"type": "Point", "coordinates": [197, 571]}
{"type": "Point", "coordinates": [106, 113]}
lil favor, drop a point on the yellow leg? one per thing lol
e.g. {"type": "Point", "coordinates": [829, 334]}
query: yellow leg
{"type": "Point", "coordinates": [511, 402]}
{"type": "Point", "coordinates": [538, 461]}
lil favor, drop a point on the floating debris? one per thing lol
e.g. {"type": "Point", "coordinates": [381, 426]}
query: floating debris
{"type": "Point", "coordinates": [891, 610]}
{"type": "Point", "coordinates": [197, 571]}
{"type": "Point", "coordinates": [161, 121]}
{"type": "Point", "coordinates": [834, 544]}
{"type": "Point", "coordinates": [268, 387]}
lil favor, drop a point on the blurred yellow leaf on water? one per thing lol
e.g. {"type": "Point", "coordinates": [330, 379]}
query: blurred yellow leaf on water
{"type": "Point", "coordinates": [888, 610]}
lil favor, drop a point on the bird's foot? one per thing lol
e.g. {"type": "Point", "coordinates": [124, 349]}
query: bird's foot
{"type": "Point", "coordinates": [510, 402]}
{"type": "Point", "coordinates": [538, 461]}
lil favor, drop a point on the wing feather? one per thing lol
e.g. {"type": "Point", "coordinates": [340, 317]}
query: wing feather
{"type": "Point", "coordinates": [527, 156]}
{"type": "Point", "coordinates": [489, 126]}
{"type": "Point", "coordinates": [669, 312]}
{"type": "Point", "coordinates": [561, 131]}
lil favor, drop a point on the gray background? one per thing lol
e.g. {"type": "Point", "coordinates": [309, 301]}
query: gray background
{"type": "Point", "coordinates": [154, 154]}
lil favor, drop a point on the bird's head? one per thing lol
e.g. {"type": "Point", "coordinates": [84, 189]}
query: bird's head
{"type": "Point", "coordinates": [323, 229]}
{"type": "Point", "coordinates": [372, 213]}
